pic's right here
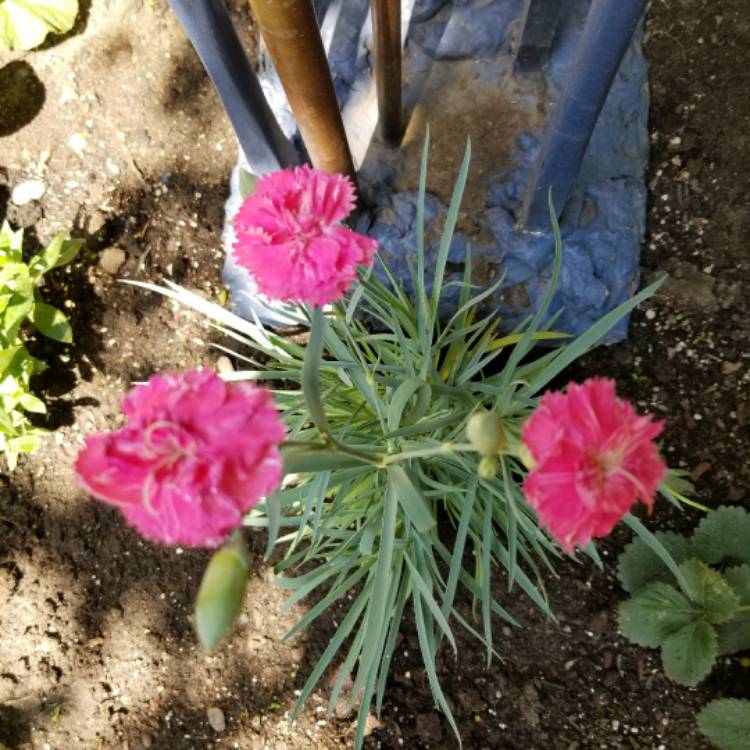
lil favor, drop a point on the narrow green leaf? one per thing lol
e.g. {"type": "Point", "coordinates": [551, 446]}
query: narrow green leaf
{"type": "Point", "coordinates": [375, 621]}
{"type": "Point", "coordinates": [411, 499]}
{"type": "Point", "coordinates": [459, 545]}
{"type": "Point", "coordinates": [425, 336]}
{"type": "Point", "coordinates": [302, 460]}
{"type": "Point", "coordinates": [486, 558]}
{"type": "Point", "coordinates": [341, 634]}
{"type": "Point", "coordinates": [658, 549]}
{"type": "Point", "coordinates": [572, 351]}
{"type": "Point", "coordinates": [400, 399]}
{"type": "Point", "coordinates": [448, 230]}
{"type": "Point", "coordinates": [423, 590]}
{"type": "Point", "coordinates": [272, 506]}
{"type": "Point", "coordinates": [429, 664]}
{"type": "Point", "coordinates": [311, 372]}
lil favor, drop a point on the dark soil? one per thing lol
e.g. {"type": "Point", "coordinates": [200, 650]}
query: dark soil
{"type": "Point", "coordinates": [97, 648]}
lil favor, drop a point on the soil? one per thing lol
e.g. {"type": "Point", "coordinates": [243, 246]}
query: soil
{"type": "Point", "coordinates": [121, 124]}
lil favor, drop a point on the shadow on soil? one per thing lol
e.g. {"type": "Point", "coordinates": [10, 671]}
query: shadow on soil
{"type": "Point", "coordinates": [22, 96]}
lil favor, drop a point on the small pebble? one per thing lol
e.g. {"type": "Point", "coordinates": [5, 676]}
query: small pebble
{"type": "Point", "coordinates": [25, 192]}
{"type": "Point", "coordinates": [112, 259]}
{"type": "Point", "coordinates": [216, 719]}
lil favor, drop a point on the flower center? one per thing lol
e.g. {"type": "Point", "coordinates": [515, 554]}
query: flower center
{"type": "Point", "coordinates": [606, 464]}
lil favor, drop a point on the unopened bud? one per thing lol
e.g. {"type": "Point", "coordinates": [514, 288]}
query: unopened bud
{"type": "Point", "coordinates": [489, 466]}
{"type": "Point", "coordinates": [220, 596]}
{"type": "Point", "coordinates": [526, 458]}
{"type": "Point", "coordinates": [485, 432]}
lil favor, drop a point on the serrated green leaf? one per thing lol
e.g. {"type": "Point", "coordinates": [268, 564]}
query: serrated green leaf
{"type": "Point", "coordinates": [689, 654]}
{"type": "Point", "coordinates": [654, 613]}
{"type": "Point", "coordinates": [739, 579]}
{"type": "Point", "coordinates": [708, 588]}
{"type": "Point", "coordinates": [726, 722]}
{"type": "Point", "coordinates": [639, 564]}
{"type": "Point", "coordinates": [52, 323]}
{"type": "Point", "coordinates": [723, 535]}
{"type": "Point", "coordinates": [734, 635]}
{"type": "Point", "coordinates": [24, 24]}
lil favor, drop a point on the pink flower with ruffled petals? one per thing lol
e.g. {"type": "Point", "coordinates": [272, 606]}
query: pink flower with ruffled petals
{"type": "Point", "coordinates": [195, 454]}
{"type": "Point", "coordinates": [289, 239]}
{"type": "Point", "coordinates": [594, 458]}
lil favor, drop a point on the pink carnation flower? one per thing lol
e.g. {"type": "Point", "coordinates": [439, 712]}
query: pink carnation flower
{"type": "Point", "coordinates": [194, 456]}
{"type": "Point", "coordinates": [594, 458]}
{"type": "Point", "coordinates": [288, 238]}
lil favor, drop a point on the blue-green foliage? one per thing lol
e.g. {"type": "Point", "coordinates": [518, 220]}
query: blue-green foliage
{"type": "Point", "coordinates": [377, 454]}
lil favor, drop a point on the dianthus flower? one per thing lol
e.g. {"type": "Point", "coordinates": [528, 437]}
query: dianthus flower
{"type": "Point", "coordinates": [289, 239]}
{"type": "Point", "coordinates": [594, 458]}
{"type": "Point", "coordinates": [194, 455]}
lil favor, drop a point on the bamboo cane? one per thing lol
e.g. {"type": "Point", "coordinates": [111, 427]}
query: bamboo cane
{"type": "Point", "coordinates": [386, 23]}
{"type": "Point", "coordinates": [291, 33]}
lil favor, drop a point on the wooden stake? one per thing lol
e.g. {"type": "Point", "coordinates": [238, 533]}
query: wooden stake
{"type": "Point", "coordinates": [291, 33]}
{"type": "Point", "coordinates": [386, 23]}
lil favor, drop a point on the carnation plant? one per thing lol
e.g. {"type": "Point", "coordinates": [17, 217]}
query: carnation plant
{"type": "Point", "coordinates": [419, 460]}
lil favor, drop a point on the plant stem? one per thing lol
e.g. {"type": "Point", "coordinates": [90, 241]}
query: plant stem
{"type": "Point", "coordinates": [443, 448]}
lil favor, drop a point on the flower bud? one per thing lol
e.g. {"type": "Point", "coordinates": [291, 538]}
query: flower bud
{"type": "Point", "coordinates": [524, 454]}
{"type": "Point", "coordinates": [220, 595]}
{"type": "Point", "coordinates": [485, 432]}
{"type": "Point", "coordinates": [489, 466]}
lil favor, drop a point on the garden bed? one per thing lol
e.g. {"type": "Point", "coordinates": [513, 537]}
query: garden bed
{"type": "Point", "coordinates": [97, 648]}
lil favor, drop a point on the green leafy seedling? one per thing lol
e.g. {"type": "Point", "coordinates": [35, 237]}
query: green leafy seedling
{"type": "Point", "coordinates": [21, 309]}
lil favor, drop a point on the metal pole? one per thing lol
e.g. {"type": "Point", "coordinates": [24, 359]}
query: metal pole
{"type": "Point", "coordinates": [386, 27]}
{"type": "Point", "coordinates": [609, 28]}
{"type": "Point", "coordinates": [539, 27]}
{"type": "Point", "coordinates": [210, 30]}
{"type": "Point", "coordinates": [291, 33]}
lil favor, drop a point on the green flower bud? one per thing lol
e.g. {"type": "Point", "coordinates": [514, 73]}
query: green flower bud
{"type": "Point", "coordinates": [485, 432]}
{"type": "Point", "coordinates": [524, 454]}
{"type": "Point", "coordinates": [489, 466]}
{"type": "Point", "coordinates": [220, 595]}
